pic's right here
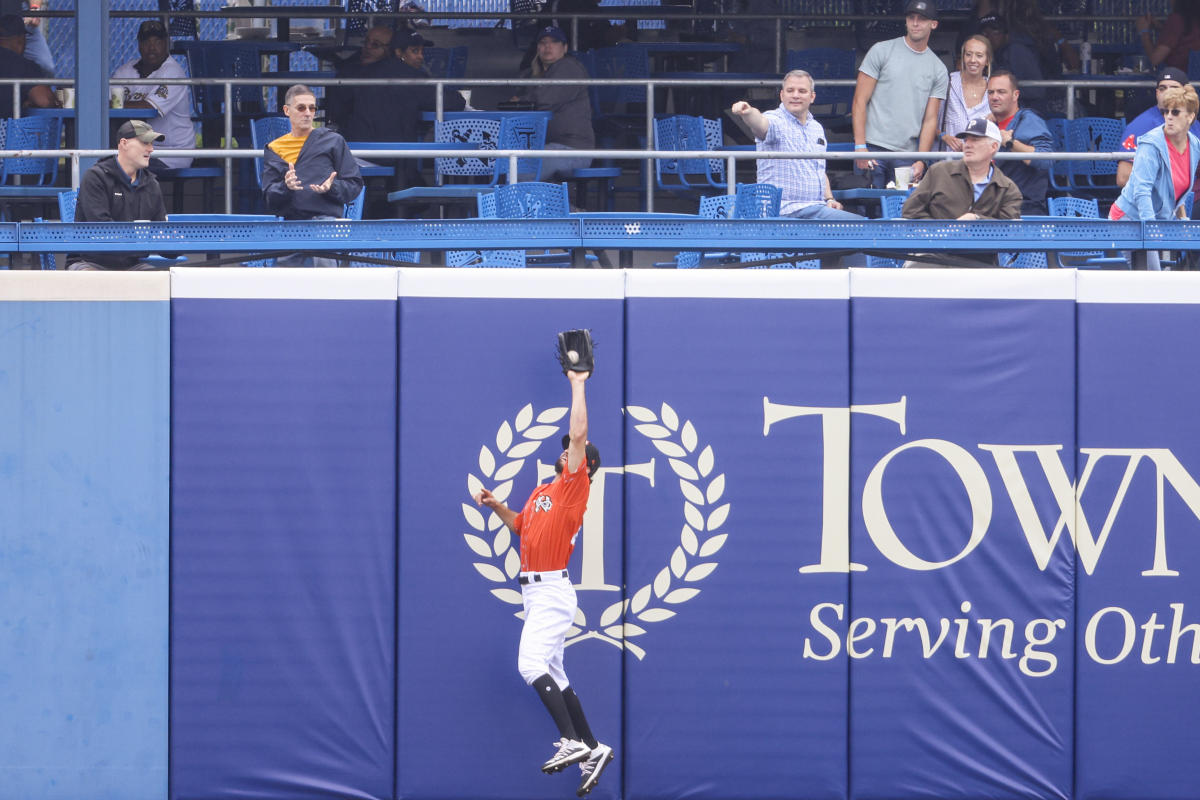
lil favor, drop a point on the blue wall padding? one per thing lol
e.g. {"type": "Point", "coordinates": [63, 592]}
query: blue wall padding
{"type": "Point", "coordinates": [271, 497]}
{"type": "Point", "coordinates": [83, 549]}
{"type": "Point", "coordinates": [972, 373]}
{"type": "Point", "coordinates": [723, 704]}
{"type": "Point", "coordinates": [283, 567]}
{"type": "Point", "coordinates": [468, 725]}
{"type": "Point", "coordinates": [1138, 390]}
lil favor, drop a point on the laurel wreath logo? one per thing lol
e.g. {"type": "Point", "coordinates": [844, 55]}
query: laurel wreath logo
{"type": "Point", "coordinates": [700, 539]}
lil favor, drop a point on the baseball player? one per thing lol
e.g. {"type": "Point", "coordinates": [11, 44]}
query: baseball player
{"type": "Point", "coordinates": [548, 526]}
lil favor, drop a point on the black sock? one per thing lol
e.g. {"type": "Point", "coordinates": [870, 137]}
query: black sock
{"type": "Point", "coordinates": [578, 719]}
{"type": "Point", "coordinates": [552, 696]}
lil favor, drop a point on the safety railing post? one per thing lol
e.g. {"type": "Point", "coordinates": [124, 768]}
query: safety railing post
{"type": "Point", "coordinates": [228, 145]}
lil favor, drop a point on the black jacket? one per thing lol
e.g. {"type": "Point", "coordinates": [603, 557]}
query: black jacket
{"type": "Point", "coordinates": [324, 152]}
{"type": "Point", "coordinates": [389, 113]}
{"type": "Point", "coordinates": [107, 195]}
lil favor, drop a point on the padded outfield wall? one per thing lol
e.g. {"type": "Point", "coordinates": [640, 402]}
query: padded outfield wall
{"type": "Point", "coordinates": [858, 534]}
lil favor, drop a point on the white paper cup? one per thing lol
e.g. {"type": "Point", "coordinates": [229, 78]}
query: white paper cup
{"type": "Point", "coordinates": [66, 97]}
{"type": "Point", "coordinates": [466, 96]}
{"type": "Point", "coordinates": [116, 98]}
{"type": "Point", "coordinates": [903, 177]}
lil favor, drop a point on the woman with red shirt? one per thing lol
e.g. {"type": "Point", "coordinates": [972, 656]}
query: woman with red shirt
{"type": "Point", "coordinates": [1164, 165]}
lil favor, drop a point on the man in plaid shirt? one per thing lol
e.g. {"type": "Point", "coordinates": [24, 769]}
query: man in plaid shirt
{"type": "Point", "coordinates": [792, 129]}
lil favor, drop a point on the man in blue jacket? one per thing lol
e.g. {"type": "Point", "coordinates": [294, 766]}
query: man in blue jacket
{"type": "Point", "coordinates": [308, 173]}
{"type": "Point", "coordinates": [1021, 131]}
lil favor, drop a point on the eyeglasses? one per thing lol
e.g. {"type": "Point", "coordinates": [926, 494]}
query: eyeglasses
{"type": "Point", "coordinates": [304, 108]}
{"type": "Point", "coordinates": [1175, 112]}
{"type": "Point", "coordinates": [375, 43]}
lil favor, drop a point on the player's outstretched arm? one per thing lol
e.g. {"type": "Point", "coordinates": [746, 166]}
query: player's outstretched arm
{"type": "Point", "coordinates": [506, 514]}
{"type": "Point", "coordinates": [578, 430]}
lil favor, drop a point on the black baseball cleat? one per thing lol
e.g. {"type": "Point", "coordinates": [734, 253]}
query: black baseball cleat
{"type": "Point", "coordinates": [569, 752]}
{"type": "Point", "coordinates": [593, 768]}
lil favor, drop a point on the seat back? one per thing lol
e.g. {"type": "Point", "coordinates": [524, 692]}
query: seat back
{"type": "Point", "coordinates": [1082, 207]}
{"type": "Point", "coordinates": [521, 132]}
{"type": "Point", "coordinates": [720, 206]}
{"type": "Point", "coordinates": [225, 60]}
{"type": "Point", "coordinates": [263, 131]}
{"type": "Point", "coordinates": [1061, 174]}
{"type": "Point", "coordinates": [621, 61]}
{"type": "Point", "coordinates": [532, 201]}
{"type": "Point", "coordinates": [483, 134]}
{"type": "Point", "coordinates": [66, 204]}
{"type": "Point", "coordinates": [32, 133]}
{"type": "Point", "coordinates": [354, 209]}
{"type": "Point", "coordinates": [757, 201]}
{"type": "Point", "coordinates": [824, 63]}
{"type": "Point", "coordinates": [682, 132]}
{"type": "Point", "coordinates": [446, 62]}
{"type": "Point", "coordinates": [1094, 135]}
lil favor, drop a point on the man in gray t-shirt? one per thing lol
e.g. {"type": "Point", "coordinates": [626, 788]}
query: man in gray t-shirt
{"type": "Point", "coordinates": [900, 89]}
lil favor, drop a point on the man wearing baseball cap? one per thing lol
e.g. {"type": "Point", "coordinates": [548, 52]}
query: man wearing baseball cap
{"type": "Point", "coordinates": [1169, 78]}
{"type": "Point", "coordinates": [13, 64]}
{"type": "Point", "coordinates": [898, 96]}
{"type": "Point", "coordinates": [173, 103]}
{"type": "Point", "coordinates": [967, 189]}
{"type": "Point", "coordinates": [120, 188]}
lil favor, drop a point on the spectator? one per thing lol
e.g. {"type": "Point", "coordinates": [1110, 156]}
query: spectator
{"type": "Point", "coordinates": [1016, 51]}
{"type": "Point", "coordinates": [970, 189]}
{"type": "Point", "coordinates": [13, 64]}
{"type": "Point", "coordinates": [898, 97]}
{"type": "Point", "coordinates": [1174, 38]}
{"type": "Point", "coordinates": [390, 113]}
{"type": "Point", "coordinates": [592, 33]}
{"type": "Point", "coordinates": [340, 100]}
{"type": "Point", "coordinates": [173, 102]}
{"type": "Point", "coordinates": [308, 173]}
{"type": "Point", "coordinates": [966, 99]}
{"type": "Point", "coordinates": [1164, 166]}
{"type": "Point", "coordinates": [1021, 131]}
{"type": "Point", "coordinates": [36, 48]}
{"type": "Point", "coordinates": [571, 126]}
{"type": "Point", "coordinates": [791, 128]}
{"type": "Point", "coordinates": [967, 189]}
{"type": "Point", "coordinates": [1169, 78]}
{"type": "Point", "coordinates": [120, 188]}
{"type": "Point", "coordinates": [1025, 16]}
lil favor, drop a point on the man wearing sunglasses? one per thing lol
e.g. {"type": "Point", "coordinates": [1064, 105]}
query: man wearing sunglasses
{"type": "Point", "coordinates": [308, 173]}
{"type": "Point", "coordinates": [1169, 78]}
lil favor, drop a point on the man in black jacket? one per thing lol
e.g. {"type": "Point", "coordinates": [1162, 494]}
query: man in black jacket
{"type": "Point", "coordinates": [120, 188]}
{"type": "Point", "coordinates": [308, 173]}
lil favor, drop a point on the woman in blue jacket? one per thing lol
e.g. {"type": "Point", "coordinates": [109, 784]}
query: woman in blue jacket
{"type": "Point", "coordinates": [1164, 166]}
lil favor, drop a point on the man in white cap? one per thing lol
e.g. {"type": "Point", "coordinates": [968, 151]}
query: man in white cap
{"type": "Point", "coordinates": [967, 189]}
{"type": "Point", "coordinates": [120, 188]}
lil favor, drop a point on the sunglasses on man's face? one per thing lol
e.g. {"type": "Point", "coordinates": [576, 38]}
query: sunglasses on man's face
{"type": "Point", "coordinates": [304, 108]}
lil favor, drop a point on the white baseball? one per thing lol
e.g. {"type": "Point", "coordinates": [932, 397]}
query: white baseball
{"type": "Point", "coordinates": [572, 356]}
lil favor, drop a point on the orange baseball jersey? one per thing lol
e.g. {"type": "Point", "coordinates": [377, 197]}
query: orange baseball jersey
{"type": "Point", "coordinates": [550, 519]}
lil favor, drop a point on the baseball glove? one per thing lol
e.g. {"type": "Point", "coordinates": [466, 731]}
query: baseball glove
{"type": "Point", "coordinates": [575, 351]}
